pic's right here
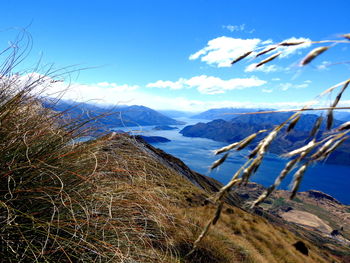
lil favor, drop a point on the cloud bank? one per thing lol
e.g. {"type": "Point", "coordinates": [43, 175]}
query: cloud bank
{"type": "Point", "coordinates": [221, 51]}
{"type": "Point", "coordinates": [208, 84]}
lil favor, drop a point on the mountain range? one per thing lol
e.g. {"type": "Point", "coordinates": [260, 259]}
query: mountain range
{"type": "Point", "coordinates": [224, 113]}
{"type": "Point", "coordinates": [110, 117]}
{"type": "Point", "coordinates": [240, 127]}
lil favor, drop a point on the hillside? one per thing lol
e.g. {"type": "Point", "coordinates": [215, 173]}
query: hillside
{"type": "Point", "coordinates": [183, 197]}
{"type": "Point", "coordinates": [313, 210]}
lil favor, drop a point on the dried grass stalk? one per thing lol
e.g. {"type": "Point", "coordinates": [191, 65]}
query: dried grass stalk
{"type": "Point", "coordinates": [218, 212]}
{"type": "Point", "coordinates": [287, 44]}
{"type": "Point", "coordinates": [247, 140]}
{"type": "Point", "coordinates": [267, 141]}
{"type": "Point", "coordinates": [293, 123]}
{"type": "Point", "coordinates": [289, 166]}
{"type": "Point", "coordinates": [347, 36]}
{"type": "Point", "coordinates": [334, 147]}
{"type": "Point", "coordinates": [316, 126]}
{"type": "Point", "coordinates": [268, 59]}
{"type": "Point", "coordinates": [219, 162]}
{"type": "Point", "coordinates": [211, 222]}
{"type": "Point", "coordinates": [330, 119]}
{"type": "Point", "coordinates": [226, 148]}
{"type": "Point", "coordinates": [252, 168]}
{"type": "Point", "coordinates": [344, 126]}
{"type": "Point", "coordinates": [301, 150]}
{"type": "Point", "coordinates": [323, 148]}
{"type": "Point", "coordinates": [265, 51]}
{"type": "Point", "coordinates": [239, 145]}
{"type": "Point", "coordinates": [333, 87]}
{"type": "Point", "coordinates": [334, 104]}
{"type": "Point", "coordinates": [313, 54]}
{"type": "Point", "coordinates": [298, 176]}
{"type": "Point", "coordinates": [241, 57]}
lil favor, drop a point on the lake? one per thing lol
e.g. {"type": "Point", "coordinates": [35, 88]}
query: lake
{"type": "Point", "coordinates": [197, 153]}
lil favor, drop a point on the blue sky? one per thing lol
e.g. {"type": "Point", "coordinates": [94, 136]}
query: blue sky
{"type": "Point", "coordinates": [176, 54]}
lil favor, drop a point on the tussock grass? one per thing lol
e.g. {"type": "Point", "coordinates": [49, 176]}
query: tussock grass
{"type": "Point", "coordinates": [66, 201]}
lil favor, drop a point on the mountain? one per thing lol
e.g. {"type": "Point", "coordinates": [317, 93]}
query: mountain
{"type": "Point", "coordinates": [224, 113]}
{"type": "Point", "coordinates": [240, 127]}
{"type": "Point", "coordinates": [118, 116]}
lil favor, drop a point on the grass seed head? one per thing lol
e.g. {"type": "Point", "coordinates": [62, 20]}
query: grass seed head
{"type": "Point", "coordinates": [265, 51]}
{"type": "Point", "coordinates": [330, 119]}
{"type": "Point", "coordinates": [316, 126]}
{"type": "Point", "coordinates": [219, 162]}
{"type": "Point", "coordinates": [298, 176]}
{"type": "Point", "coordinates": [267, 141]}
{"type": "Point", "coordinates": [241, 57]}
{"type": "Point", "coordinates": [301, 150]}
{"type": "Point", "coordinates": [347, 36]}
{"type": "Point", "coordinates": [313, 54]}
{"type": "Point", "coordinates": [293, 123]}
{"type": "Point", "coordinates": [334, 104]}
{"type": "Point", "coordinates": [268, 59]}
{"type": "Point", "coordinates": [322, 149]}
{"type": "Point", "coordinates": [334, 147]}
{"type": "Point", "coordinates": [344, 126]}
{"type": "Point", "coordinates": [287, 44]}
{"type": "Point", "coordinates": [226, 148]}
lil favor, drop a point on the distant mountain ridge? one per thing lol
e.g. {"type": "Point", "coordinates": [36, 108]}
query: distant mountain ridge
{"type": "Point", "coordinates": [224, 113]}
{"type": "Point", "coordinates": [240, 127]}
{"type": "Point", "coordinates": [118, 116]}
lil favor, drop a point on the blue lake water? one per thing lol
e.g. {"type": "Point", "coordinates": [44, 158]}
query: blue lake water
{"type": "Point", "coordinates": [197, 153]}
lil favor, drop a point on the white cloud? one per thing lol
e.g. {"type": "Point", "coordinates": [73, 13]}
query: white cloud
{"type": "Point", "coordinates": [287, 86]}
{"type": "Point", "coordinates": [114, 94]}
{"type": "Point", "coordinates": [180, 84]}
{"type": "Point", "coordinates": [267, 90]}
{"type": "Point", "coordinates": [324, 65]}
{"type": "Point", "coordinates": [117, 88]}
{"type": "Point", "coordinates": [222, 50]}
{"type": "Point", "coordinates": [233, 28]}
{"type": "Point", "coordinates": [209, 84]}
{"type": "Point", "coordinates": [301, 86]}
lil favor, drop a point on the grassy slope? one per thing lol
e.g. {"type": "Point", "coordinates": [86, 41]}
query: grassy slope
{"type": "Point", "coordinates": [173, 213]}
{"type": "Point", "coordinates": [115, 200]}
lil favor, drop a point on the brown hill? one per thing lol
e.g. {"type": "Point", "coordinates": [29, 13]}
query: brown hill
{"type": "Point", "coordinates": [175, 205]}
